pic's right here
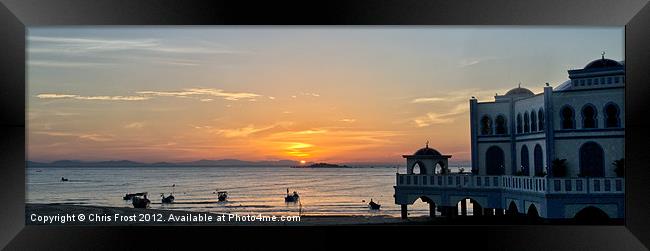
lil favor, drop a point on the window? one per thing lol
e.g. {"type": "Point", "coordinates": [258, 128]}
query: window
{"type": "Point", "coordinates": [540, 119]}
{"type": "Point", "coordinates": [582, 82]}
{"type": "Point", "coordinates": [524, 160]}
{"type": "Point", "coordinates": [501, 125]}
{"type": "Point", "coordinates": [486, 125]}
{"type": "Point", "coordinates": [612, 116]}
{"type": "Point", "coordinates": [533, 122]}
{"type": "Point", "coordinates": [589, 117]}
{"type": "Point", "coordinates": [519, 123]}
{"type": "Point", "coordinates": [609, 80]}
{"type": "Point", "coordinates": [567, 120]}
{"type": "Point", "coordinates": [526, 123]}
{"type": "Point", "coordinates": [596, 80]}
{"type": "Point", "coordinates": [589, 81]}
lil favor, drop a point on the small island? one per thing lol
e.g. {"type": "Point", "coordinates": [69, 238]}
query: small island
{"type": "Point", "coordinates": [321, 165]}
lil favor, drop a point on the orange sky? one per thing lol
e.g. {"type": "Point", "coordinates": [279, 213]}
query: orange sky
{"type": "Point", "coordinates": [335, 95]}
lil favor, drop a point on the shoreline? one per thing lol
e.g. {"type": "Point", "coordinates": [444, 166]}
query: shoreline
{"type": "Point", "coordinates": [108, 216]}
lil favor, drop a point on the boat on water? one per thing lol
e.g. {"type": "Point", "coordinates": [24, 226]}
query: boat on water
{"type": "Point", "coordinates": [140, 201]}
{"type": "Point", "coordinates": [222, 195]}
{"type": "Point", "coordinates": [129, 196]}
{"type": "Point", "coordinates": [63, 179]}
{"type": "Point", "coordinates": [168, 199]}
{"type": "Point", "coordinates": [291, 197]}
{"type": "Point", "coordinates": [373, 205]}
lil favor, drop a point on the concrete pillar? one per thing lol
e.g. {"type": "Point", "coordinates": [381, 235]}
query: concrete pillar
{"type": "Point", "coordinates": [404, 212]}
{"type": "Point", "coordinates": [463, 207]}
{"type": "Point", "coordinates": [432, 210]}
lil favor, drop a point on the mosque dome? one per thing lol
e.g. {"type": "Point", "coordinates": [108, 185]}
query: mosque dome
{"type": "Point", "coordinates": [519, 91]}
{"type": "Point", "coordinates": [602, 63]}
{"type": "Point", "coordinates": [427, 151]}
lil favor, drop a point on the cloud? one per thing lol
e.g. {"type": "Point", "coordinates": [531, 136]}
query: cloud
{"type": "Point", "coordinates": [203, 92]}
{"type": "Point", "coordinates": [347, 120]}
{"type": "Point", "coordinates": [87, 136]}
{"type": "Point", "coordinates": [427, 100]}
{"type": "Point", "coordinates": [473, 61]}
{"type": "Point", "coordinates": [79, 97]}
{"type": "Point", "coordinates": [433, 118]}
{"type": "Point", "coordinates": [46, 44]}
{"type": "Point", "coordinates": [135, 125]}
{"type": "Point", "coordinates": [243, 131]}
{"type": "Point", "coordinates": [60, 64]}
{"type": "Point", "coordinates": [310, 94]}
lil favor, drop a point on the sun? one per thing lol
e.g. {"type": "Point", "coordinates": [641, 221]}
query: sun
{"type": "Point", "coordinates": [303, 162]}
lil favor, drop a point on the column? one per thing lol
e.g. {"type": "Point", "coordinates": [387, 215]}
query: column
{"type": "Point", "coordinates": [404, 212]}
{"type": "Point", "coordinates": [432, 210]}
{"type": "Point", "coordinates": [463, 207]}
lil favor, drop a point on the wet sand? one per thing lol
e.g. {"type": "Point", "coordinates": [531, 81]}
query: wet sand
{"type": "Point", "coordinates": [52, 214]}
{"type": "Point", "coordinates": [137, 216]}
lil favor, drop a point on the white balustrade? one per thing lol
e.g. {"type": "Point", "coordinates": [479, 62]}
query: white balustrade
{"type": "Point", "coordinates": [515, 183]}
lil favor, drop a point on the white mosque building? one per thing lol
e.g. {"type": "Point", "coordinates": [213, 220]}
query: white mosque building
{"type": "Point", "coordinates": [517, 143]}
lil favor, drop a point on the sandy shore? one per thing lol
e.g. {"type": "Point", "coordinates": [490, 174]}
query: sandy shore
{"type": "Point", "coordinates": [65, 214]}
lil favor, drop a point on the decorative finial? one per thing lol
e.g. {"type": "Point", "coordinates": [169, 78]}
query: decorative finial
{"type": "Point", "coordinates": [602, 55]}
{"type": "Point", "coordinates": [427, 145]}
{"type": "Point", "coordinates": [547, 84]}
{"type": "Point", "coordinates": [519, 85]}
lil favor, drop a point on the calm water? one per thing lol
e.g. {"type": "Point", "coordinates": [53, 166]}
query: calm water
{"type": "Point", "coordinates": [323, 191]}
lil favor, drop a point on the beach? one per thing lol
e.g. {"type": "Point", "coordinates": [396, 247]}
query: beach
{"type": "Point", "coordinates": [102, 215]}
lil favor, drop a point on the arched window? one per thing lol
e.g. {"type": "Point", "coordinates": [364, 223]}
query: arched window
{"type": "Point", "coordinates": [567, 120]}
{"type": "Point", "coordinates": [525, 160]}
{"type": "Point", "coordinates": [418, 168]}
{"type": "Point", "coordinates": [519, 123]}
{"type": "Point", "coordinates": [540, 119]}
{"type": "Point", "coordinates": [526, 123]}
{"type": "Point", "coordinates": [486, 125]}
{"type": "Point", "coordinates": [592, 161]}
{"type": "Point", "coordinates": [533, 122]}
{"type": "Point", "coordinates": [538, 160]}
{"type": "Point", "coordinates": [589, 117]}
{"type": "Point", "coordinates": [494, 161]}
{"type": "Point", "coordinates": [501, 125]}
{"type": "Point", "coordinates": [612, 116]}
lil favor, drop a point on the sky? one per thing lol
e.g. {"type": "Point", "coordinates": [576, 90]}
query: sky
{"type": "Point", "coordinates": [341, 95]}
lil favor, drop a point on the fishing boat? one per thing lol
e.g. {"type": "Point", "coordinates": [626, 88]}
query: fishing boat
{"type": "Point", "coordinates": [140, 201]}
{"type": "Point", "coordinates": [222, 195]}
{"type": "Point", "coordinates": [63, 179]}
{"type": "Point", "coordinates": [374, 206]}
{"type": "Point", "coordinates": [291, 197]}
{"type": "Point", "coordinates": [129, 196]}
{"type": "Point", "coordinates": [168, 199]}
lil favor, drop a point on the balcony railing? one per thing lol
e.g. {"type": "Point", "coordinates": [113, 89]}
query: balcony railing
{"type": "Point", "coordinates": [514, 183]}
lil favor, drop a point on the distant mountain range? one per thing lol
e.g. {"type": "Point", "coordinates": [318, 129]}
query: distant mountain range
{"type": "Point", "coordinates": [208, 163]}
{"type": "Point", "coordinates": [128, 163]}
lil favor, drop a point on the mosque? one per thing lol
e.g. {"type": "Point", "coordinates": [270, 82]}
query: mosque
{"type": "Point", "coordinates": [557, 154]}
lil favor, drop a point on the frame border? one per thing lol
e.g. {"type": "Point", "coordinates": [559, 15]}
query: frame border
{"type": "Point", "coordinates": [16, 15]}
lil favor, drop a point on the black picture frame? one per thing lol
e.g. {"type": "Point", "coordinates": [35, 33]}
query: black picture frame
{"type": "Point", "coordinates": [16, 15]}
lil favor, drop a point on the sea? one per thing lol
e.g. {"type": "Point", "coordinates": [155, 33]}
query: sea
{"type": "Point", "coordinates": [251, 190]}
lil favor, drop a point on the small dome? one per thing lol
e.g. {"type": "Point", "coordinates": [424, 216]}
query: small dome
{"type": "Point", "coordinates": [427, 151]}
{"type": "Point", "coordinates": [602, 63]}
{"type": "Point", "coordinates": [520, 91]}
